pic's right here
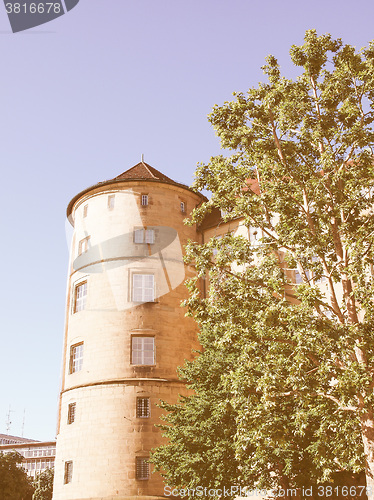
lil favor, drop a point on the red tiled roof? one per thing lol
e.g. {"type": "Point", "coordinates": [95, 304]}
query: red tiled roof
{"type": "Point", "coordinates": [143, 171]}
{"type": "Point", "coordinates": [139, 172]}
{"type": "Point", "coordinates": [214, 218]}
{"type": "Point", "coordinates": [211, 219]}
{"type": "Point", "coordinates": [253, 185]}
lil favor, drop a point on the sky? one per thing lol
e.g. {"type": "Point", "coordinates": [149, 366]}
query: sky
{"type": "Point", "coordinates": [82, 98]}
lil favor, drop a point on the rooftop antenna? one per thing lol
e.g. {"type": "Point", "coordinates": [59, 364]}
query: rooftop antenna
{"type": "Point", "coordinates": [8, 421]}
{"type": "Point", "coordinates": [23, 422]}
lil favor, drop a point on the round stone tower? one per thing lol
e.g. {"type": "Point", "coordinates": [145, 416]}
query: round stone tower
{"type": "Point", "coordinates": [126, 333]}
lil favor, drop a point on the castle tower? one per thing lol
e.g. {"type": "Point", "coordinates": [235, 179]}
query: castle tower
{"type": "Point", "coordinates": [126, 333]}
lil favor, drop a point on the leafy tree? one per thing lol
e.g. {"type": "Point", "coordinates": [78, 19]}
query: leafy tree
{"type": "Point", "coordinates": [14, 482]}
{"type": "Point", "coordinates": [302, 173]}
{"type": "Point", "coordinates": [43, 484]}
{"type": "Point", "coordinates": [202, 428]}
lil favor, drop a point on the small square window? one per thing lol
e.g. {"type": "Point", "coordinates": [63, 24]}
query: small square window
{"type": "Point", "coordinates": [76, 358]}
{"type": "Point", "coordinates": [142, 468]}
{"type": "Point", "coordinates": [111, 199]}
{"type": "Point", "coordinates": [85, 210]}
{"type": "Point", "coordinates": [68, 476]}
{"type": "Point", "coordinates": [83, 245]}
{"type": "Point", "coordinates": [142, 350]}
{"type": "Point", "coordinates": [71, 412]}
{"type": "Point", "coordinates": [183, 207]}
{"type": "Point", "coordinates": [144, 200]}
{"type": "Point", "coordinates": [80, 297]}
{"type": "Point", "coordinates": [143, 407]}
{"type": "Point", "coordinates": [143, 288]}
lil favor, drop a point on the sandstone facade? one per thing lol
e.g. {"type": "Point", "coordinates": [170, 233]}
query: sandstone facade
{"type": "Point", "coordinates": [126, 333]}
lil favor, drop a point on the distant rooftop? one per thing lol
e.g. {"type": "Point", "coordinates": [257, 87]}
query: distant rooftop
{"type": "Point", "coordinates": [7, 439]}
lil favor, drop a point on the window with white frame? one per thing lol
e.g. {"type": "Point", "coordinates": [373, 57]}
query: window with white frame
{"type": "Point", "coordinates": [80, 296]}
{"type": "Point", "coordinates": [68, 475]}
{"type": "Point", "coordinates": [143, 288]}
{"type": "Point", "coordinates": [111, 199]}
{"type": "Point", "coordinates": [183, 207]}
{"type": "Point", "coordinates": [40, 452]}
{"type": "Point", "coordinates": [142, 468]}
{"type": "Point", "coordinates": [37, 466]}
{"type": "Point", "coordinates": [143, 407]}
{"type": "Point", "coordinates": [71, 412]}
{"type": "Point", "coordinates": [143, 235]}
{"type": "Point", "coordinates": [76, 358]}
{"type": "Point", "coordinates": [142, 350]}
{"type": "Point", "coordinates": [83, 245]}
{"type": "Point", "coordinates": [144, 200]}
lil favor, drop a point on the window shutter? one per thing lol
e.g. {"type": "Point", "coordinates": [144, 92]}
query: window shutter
{"type": "Point", "coordinates": [139, 236]}
{"type": "Point", "coordinates": [150, 236]}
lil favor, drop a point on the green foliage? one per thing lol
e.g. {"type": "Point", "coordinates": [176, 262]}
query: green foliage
{"type": "Point", "coordinates": [201, 428]}
{"type": "Point", "coordinates": [14, 482]}
{"type": "Point", "coordinates": [43, 484]}
{"type": "Point", "coordinates": [284, 384]}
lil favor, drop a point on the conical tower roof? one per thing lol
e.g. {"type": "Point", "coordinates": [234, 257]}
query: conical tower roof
{"type": "Point", "coordinates": [144, 171]}
{"type": "Point", "coordinates": [139, 172]}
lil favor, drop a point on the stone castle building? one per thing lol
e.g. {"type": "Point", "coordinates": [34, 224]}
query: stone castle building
{"type": "Point", "coordinates": [126, 332]}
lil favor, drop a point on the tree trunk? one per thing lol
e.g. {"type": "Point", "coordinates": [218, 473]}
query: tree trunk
{"type": "Point", "coordinates": [367, 427]}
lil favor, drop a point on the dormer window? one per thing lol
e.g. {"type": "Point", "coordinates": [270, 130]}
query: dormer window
{"type": "Point", "coordinates": [144, 200]}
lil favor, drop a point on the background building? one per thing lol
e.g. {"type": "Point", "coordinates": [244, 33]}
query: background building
{"type": "Point", "coordinates": [38, 455]}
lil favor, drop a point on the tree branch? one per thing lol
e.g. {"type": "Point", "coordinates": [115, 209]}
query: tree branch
{"type": "Point", "coordinates": [339, 403]}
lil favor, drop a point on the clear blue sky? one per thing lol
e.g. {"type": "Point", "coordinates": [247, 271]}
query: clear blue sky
{"type": "Point", "coordinates": [81, 99]}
